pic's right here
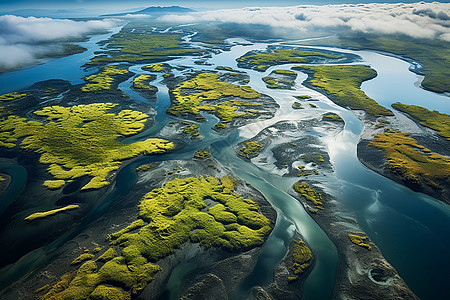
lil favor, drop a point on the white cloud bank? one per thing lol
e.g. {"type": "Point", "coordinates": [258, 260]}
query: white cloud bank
{"type": "Point", "coordinates": [420, 20]}
{"type": "Point", "coordinates": [21, 38]}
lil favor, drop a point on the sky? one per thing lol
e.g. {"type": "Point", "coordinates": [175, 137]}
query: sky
{"type": "Point", "coordinates": [116, 5]}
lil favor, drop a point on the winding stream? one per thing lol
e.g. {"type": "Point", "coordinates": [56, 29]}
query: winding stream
{"type": "Point", "coordinates": [411, 229]}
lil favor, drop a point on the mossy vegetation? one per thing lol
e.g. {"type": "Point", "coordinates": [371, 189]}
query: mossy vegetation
{"type": "Point", "coordinates": [142, 82]}
{"type": "Point", "coordinates": [83, 257]}
{"type": "Point", "coordinates": [40, 215]}
{"type": "Point", "coordinates": [103, 80]}
{"type": "Point", "coordinates": [297, 105]}
{"type": "Point", "coordinates": [301, 259]}
{"type": "Point", "coordinates": [332, 117]}
{"type": "Point", "coordinates": [202, 154]}
{"type": "Point", "coordinates": [191, 129]}
{"type": "Point", "coordinates": [309, 194]}
{"type": "Point", "coordinates": [343, 83]}
{"type": "Point", "coordinates": [12, 96]}
{"type": "Point", "coordinates": [168, 217]}
{"type": "Point", "coordinates": [262, 61]}
{"type": "Point", "coordinates": [138, 47]}
{"type": "Point", "coordinates": [431, 119]}
{"type": "Point", "coordinates": [81, 140]}
{"type": "Point", "coordinates": [190, 97]}
{"type": "Point", "coordinates": [54, 184]}
{"type": "Point", "coordinates": [250, 149]}
{"type": "Point", "coordinates": [414, 163]}
{"type": "Point", "coordinates": [145, 167]}
{"type": "Point", "coordinates": [155, 68]}
{"type": "Point", "coordinates": [359, 240]}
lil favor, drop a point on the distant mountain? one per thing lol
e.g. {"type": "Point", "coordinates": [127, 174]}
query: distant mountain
{"type": "Point", "coordinates": [155, 11]}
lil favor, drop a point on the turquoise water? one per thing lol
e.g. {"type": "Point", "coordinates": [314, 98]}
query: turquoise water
{"type": "Point", "coordinates": [411, 229]}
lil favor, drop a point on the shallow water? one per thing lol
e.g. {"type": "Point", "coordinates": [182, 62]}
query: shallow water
{"type": "Point", "coordinates": [411, 229]}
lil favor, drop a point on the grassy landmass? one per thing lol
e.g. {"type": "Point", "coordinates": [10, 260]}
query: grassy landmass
{"type": "Point", "coordinates": [155, 68]}
{"type": "Point", "coordinates": [12, 96]}
{"type": "Point", "coordinates": [359, 240]}
{"type": "Point", "coordinates": [54, 184]}
{"type": "Point", "coordinates": [332, 117]}
{"type": "Point", "coordinates": [191, 128]}
{"type": "Point", "coordinates": [344, 82]}
{"type": "Point", "coordinates": [142, 82]}
{"type": "Point", "coordinates": [202, 154]}
{"type": "Point", "coordinates": [309, 194]}
{"type": "Point", "coordinates": [83, 257]}
{"type": "Point", "coordinates": [281, 79]}
{"type": "Point", "coordinates": [168, 217]}
{"type": "Point", "coordinates": [301, 259]}
{"type": "Point", "coordinates": [102, 81]}
{"type": "Point", "coordinates": [432, 119]}
{"type": "Point", "coordinates": [415, 164]}
{"type": "Point", "coordinates": [250, 149]}
{"type": "Point", "coordinates": [262, 61]}
{"type": "Point", "coordinates": [135, 47]}
{"type": "Point", "coordinates": [40, 215]}
{"type": "Point", "coordinates": [81, 140]}
{"type": "Point", "coordinates": [190, 95]}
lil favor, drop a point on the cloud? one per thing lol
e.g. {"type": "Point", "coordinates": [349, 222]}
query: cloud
{"type": "Point", "coordinates": [420, 20]}
{"type": "Point", "coordinates": [24, 40]}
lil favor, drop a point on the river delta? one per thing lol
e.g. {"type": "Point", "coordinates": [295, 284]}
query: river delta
{"type": "Point", "coordinates": [162, 165]}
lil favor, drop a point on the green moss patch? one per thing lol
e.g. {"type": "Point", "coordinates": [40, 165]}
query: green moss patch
{"type": "Point", "coordinates": [414, 163]}
{"type": "Point", "coordinates": [250, 149]}
{"type": "Point", "coordinates": [309, 194]}
{"type": "Point", "coordinates": [138, 47]}
{"type": "Point", "coordinates": [343, 83]}
{"type": "Point", "coordinates": [12, 96]}
{"type": "Point", "coordinates": [301, 259]}
{"type": "Point", "coordinates": [142, 82]}
{"type": "Point", "coordinates": [432, 119]}
{"type": "Point", "coordinates": [359, 240]}
{"type": "Point", "coordinates": [81, 140]}
{"type": "Point", "coordinates": [103, 80]}
{"type": "Point", "coordinates": [202, 154]}
{"type": "Point", "coordinates": [40, 215]}
{"type": "Point", "coordinates": [168, 217]}
{"type": "Point", "coordinates": [194, 95]}
{"type": "Point", "coordinates": [262, 61]}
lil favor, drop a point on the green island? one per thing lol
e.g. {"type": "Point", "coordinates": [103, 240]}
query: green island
{"type": "Point", "coordinates": [155, 68]}
{"type": "Point", "coordinates": [40, 215]}
{"type": "Point", "coordinates": [359, 240]}
{"type": "Point", "coordinates": [81, 140]}
{"type": "Point", "coordinates": [431, 119]}
{"type": "Point", "coordinates": [137, 47]}
{"type": "Point", "coordinates": [142, 82]}
{"type": "Point", "coordinates": [168, 217]}
{"type": "Point", "coordinates": [297, 105]}
{"type": "Point", "coordinates": [103, 80]}
{"type": "Point", "coordinates": [202, 154]}
{"type": "Point", "coordinates": [250, 149]}
{"type": "Point", "coordinates": [309, 194]}
{"type": "Point", "coordinates": [281, 79]}
{"type": "Point", "coordinates": [83, 257]}
{"type": "Point", "coordinates": [332, 117]}
{"type": "Point", "coordinates": [301, 259]}
{"type": "Point", "coordinates": [189, 95]}
{"type": "Point", "coordinates": [262, 61]}
{"type": "Point", "coordinates": [414, 163]}
{"type": "Point", "coordinates": [344, 82]}
{"type": "Point", "coordinates": [12, 96]}
{"type": "Point", "coordinates": [191, 128]}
